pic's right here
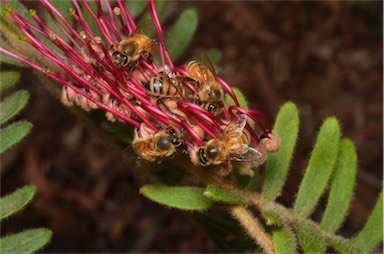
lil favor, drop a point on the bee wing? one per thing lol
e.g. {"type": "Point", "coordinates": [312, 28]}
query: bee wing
{"type": "Point", "coordinates": [206, 60]}
{"type": "Point", "coordinates": [251, 156]}
{"type": "Point", "coordinates": [139, 166]}
{"type": "Point", "coordinates": [236, 125]}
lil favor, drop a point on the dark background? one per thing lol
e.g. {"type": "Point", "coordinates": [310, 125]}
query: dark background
{"type": "Point", "coordinates": [327, 57]}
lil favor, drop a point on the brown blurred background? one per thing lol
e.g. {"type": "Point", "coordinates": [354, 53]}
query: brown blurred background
{"type": "Point", "coordinates": [327, 57]}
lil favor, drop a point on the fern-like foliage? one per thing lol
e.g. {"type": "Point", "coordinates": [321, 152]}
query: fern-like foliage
{"type": "Point", "coordinates": [333, 162]}
{"type": "Point", "coordinates": [28, 241]}
{"type": "Point", "coordinates": [10, 106]}
{"type": "Point", "coordinates": [278, 229]}
{"type": "Point", "coordinates": [31, 240]}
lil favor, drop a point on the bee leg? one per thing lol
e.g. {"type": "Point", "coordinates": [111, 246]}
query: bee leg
{"type": "Point", "coordinates": [225, 169]}
{"type": "Point", "coordinates": [131, 67]}
{"type": "Point", "coordinates": [148, 57]}
{"type": "Point", "coordinates": [246, 169]}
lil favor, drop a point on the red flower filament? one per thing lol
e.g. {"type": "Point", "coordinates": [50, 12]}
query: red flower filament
{"type": "Point", "coordinates": [115, 71]}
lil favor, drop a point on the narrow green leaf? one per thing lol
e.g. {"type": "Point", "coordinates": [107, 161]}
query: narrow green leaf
{"type": "Point", "coordinates": [8, 79]}
{"type": "Point", "coordinates": [18, 7]}
{"type": "Point", "coordinates": [319, 169]}
{"type": "Point", "coordinates": [372, 233]}
{"type": "Point", "coordinates": [343, 181]}
{"type": "Point", "coordinates": [63, 7]}
{"type": "Point", "coordinates": [240, 97]}
{"type": "Point", "coordinates": [13, 134]}
{"type": "Point", "coordinates": [16, 201]}
{"type": "Point", "coordinates": [284, 240]}
{"type": "Point", "coordinates": [275, 214]}
{"type": "Point", "coordinates": [221, 194]}
{"type": "Point", "coordinates": [5, 58]}
{"type": "Point", "coordinates": [28, 241]}
{"type": "Point", "coordinates": [310, 237]}
{"type": "Point", "coordinates": [12, 105]}
{"type": "Point", "coordinates": [182, 32]}
{"type": "Point", "coordinates": [277, 165]}
{"type": "Point", "coordinates": [184, 198]}
{"type": "Point", "coordinates": [343, 245]}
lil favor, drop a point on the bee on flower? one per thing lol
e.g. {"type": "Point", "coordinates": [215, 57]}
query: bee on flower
{"type": "Point", "coordinates": [172, 108]}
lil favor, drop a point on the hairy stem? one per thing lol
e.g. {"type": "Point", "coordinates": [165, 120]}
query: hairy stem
{"type": "Point", "coordinates": [253, 227]}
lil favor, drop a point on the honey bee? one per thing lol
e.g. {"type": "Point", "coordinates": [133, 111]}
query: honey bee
{"type": "Point", "coordinates": [215, 107]}
{"type": "Point", "coordinates": [157, 146]}
{"type": "Point", "coordinates": [174, 87]}
{"type": "Point", "coordinates": [129, 50]}
{"type": "Point", "coordinates": [210, 90]}
{"type": "Point", "coordinates": [232, 146]}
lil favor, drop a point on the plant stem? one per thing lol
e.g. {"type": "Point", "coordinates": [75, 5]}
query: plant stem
{"type": "Point", "coordinates": [253, 227]}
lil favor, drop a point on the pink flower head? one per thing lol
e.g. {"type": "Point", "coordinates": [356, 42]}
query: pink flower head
{"type": "Point", "coordinates": [111, 68]}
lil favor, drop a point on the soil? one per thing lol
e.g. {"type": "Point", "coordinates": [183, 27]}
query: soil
{"type": "Point", "coordinates": [327, 57]}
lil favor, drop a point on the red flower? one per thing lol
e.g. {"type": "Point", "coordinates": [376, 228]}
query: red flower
{"type": "Point", "coordinates": [115, 71]}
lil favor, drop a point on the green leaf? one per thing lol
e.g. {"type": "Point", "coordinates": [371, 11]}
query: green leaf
{"type": "Point", "coordinates": [310, 237]}
{"type": "Point", "coordinates": [284, 240]}
{"type": "Point", "coordinates": [184, 198]}
{"type": "Point", "coordinates": [16, 201]}
{"type": "Point", "coordinates": [343, 245]}
{"type": "Point", "coordinates": [28, 241]}
{"type": "Point", "coordinates": [372, 233]}
{"type": "Point", "coordinates": [240, 97]}
{"type": "Point", "coordinates": [274, 214]}
{"type": "Point", "coordinates": [181, 33]}
{"type": "Point", "coordinates": [277, 165]}
{"type": "Point", "coordinates": [5, 58]}
{"type": "Point", "coordinates": [13, 134]}
{"type": "Point", "coordinates": [63, 7]}
{"type": "Point", "coordinates": [18, 7]}
{"type": "Point", "coordinates": [12, 105]}
{"type": "Point", "coordinates": [343, 181]}
{"type": "Point", "coordinates": [320, 167]}
{"type": "Point", "coordinates": [221, 194]}
{"type": "Point", "coordinates": [8, 79]}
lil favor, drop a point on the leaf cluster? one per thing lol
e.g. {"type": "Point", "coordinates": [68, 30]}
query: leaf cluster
{"type": "Point", "coordinates": [332, 164]}
{"type": "Point", "coordinates": [10, 106]}
{"type": "Point", "coordinates": [28, 241]}
{"type": "Point", "coordinates": [31, 240]}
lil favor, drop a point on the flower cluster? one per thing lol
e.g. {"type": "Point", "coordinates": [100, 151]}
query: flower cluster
{"type": "Point", "coordinates": [171, 107]}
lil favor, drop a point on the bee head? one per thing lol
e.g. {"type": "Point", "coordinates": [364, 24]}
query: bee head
{"type": "Point", "coordinates": [203, 159]}
{"type": "Point", "coordinates": [174, 136]}
{"type": "Point", "coordinates": [163, 143]}
{"type": "Point", "coordinates": [216, 94]}
{"type": "Point", "coordinates": [129, 49]}
{"type": "Point", "coordinates": [215, 107]}
{"type": "Point", "coordinates": [212, 152]}
{"type": "Point", "coordinates": [119, 59]}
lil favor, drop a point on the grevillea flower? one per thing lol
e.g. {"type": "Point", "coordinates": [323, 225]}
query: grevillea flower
{"type": "Point", "coordinates": [113, 69]}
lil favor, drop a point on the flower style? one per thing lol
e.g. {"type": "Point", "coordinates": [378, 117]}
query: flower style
{"type": "Point", "coordinates": [113, 69]}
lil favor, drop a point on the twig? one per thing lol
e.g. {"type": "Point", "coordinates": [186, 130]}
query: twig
{"type": "Point", "coordinates": [253, 227]}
